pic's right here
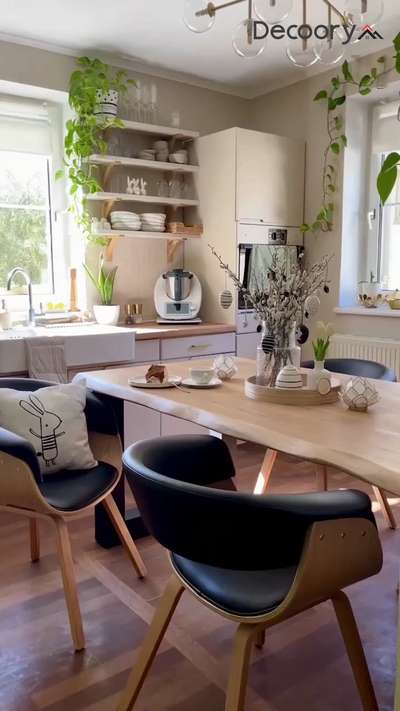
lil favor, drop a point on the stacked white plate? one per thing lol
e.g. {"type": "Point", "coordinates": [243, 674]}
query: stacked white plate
{"type": "Point", "coordinates": [153, 221]}
{"type": "Point", "coordinates": [147, 154]}
{"type": "Point", "coordinates": [125, 221]}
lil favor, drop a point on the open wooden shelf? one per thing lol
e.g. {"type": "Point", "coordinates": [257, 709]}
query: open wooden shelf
{"type": "Point", "coordinates": [130, 234]}
{"type": "Point", "coordinates": [153, 129]}
{"type": "Point", "coordinates": [153, 199]}
{"type": "Point", "coordinates": [108, 160]}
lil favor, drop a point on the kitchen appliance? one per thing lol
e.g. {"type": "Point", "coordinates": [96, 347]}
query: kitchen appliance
{"type": "Point", "coordinates": [255, 261]}
{"type": "Point", "coordinates": [177, 297]}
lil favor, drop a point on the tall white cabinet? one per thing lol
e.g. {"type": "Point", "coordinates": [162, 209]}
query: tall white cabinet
{"type": "Point", "coordinates": [245, 177]}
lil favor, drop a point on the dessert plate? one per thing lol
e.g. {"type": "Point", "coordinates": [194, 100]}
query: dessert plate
{"type": "Point", "coordinates": [140, 382]}
{"type": "Point", "coordinates": [190, 383]}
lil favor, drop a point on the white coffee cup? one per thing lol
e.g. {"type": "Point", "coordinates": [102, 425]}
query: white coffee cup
{"type": "Point", "coordinates": [201, 376]}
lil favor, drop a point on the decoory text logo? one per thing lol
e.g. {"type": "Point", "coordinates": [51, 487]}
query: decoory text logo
{"type": "Point", "coordinates": [320, 32]}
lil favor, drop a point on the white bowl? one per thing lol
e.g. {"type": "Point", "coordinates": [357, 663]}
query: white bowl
{"type": "Point", "coordinates": [202, 376]}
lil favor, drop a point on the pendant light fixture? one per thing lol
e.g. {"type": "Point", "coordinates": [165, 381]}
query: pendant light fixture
{"type": "Point", "coordinates": [331, 50]}
{"type": "Point", "coordinates": [198, 16]}
{"type": "Point", "coordinates": [301, 52]}
{"type": "Point", "coordinates": [243, 40]}
{"type": "Point", "coordinates": [273, 11]}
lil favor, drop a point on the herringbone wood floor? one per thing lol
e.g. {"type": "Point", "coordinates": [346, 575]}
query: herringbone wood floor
{"type": "Point", "coordinates": [303, 666]}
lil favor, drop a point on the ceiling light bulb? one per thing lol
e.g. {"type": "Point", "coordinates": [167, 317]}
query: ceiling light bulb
{"type": "Point", "coordinates": [198, 15]}
{"type": "Point", "coordinates": [273, 11]}
{"type": "Point", "coordinates": [243, 40]}
{"type": "Point", "coordinates": [364, 12]}
{"type": "Point", "coordinates": [301, 56]}
{"type": "Point", "coordinates": [332, 51]}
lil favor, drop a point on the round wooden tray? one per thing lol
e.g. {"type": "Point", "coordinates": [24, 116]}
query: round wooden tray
{"type": "Point", "coordinates": [300, 396]}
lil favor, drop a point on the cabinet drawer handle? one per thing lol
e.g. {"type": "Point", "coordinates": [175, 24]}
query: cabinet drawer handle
{"type": "Point", "coordinates": [200, 347]}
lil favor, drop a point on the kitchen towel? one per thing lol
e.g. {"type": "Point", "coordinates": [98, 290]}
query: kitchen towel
{"type": "Point", "coordinates": [46, 359]}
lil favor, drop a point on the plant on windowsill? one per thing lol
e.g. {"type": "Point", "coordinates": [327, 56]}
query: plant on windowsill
{"type": "Point", "coordinates": [335, 98]}
{"type": "Point", "coordinates": [106, 313]}
{"type": "Point", "coordinates": [84, 135]}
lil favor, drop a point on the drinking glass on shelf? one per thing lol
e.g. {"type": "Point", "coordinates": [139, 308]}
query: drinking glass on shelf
{"type": "Point", "coordinates": [175, 119]}
{"type": "Point", "coordinates": [114, 144]}
{"type": "Point", "coordinates": [146, 104]}
{"type": "Point", "coordinates": [175, 188]}
{"type": "Point", "coordinates": [162, 188]}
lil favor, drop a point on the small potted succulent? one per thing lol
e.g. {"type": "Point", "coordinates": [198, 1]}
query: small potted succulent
{"type": "Point", "coordinates": [106, 313]}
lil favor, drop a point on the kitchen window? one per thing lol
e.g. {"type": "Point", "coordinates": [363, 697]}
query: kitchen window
{"type": "Point", "coordinates": [383, 259]}
{"type": "Point", "coordinates": [26, 218]}
{"type": "Point", "coordinates": [30, 199]}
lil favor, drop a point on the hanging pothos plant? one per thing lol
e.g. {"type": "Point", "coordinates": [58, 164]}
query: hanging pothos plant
{"type": "Point", "coordinates": [84, 132]}
{"type": "Point", "coordinates": [335, 98]}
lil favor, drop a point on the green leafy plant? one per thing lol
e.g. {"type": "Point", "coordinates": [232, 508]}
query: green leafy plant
{"type": "Point", "coordinates": [103, 282]}
{"type": "Point", "coordinates": [335, 98]}
{"type": "Point", "coordinates": [85, 132]}
{"type": "Point", "coordinates": [322, 343]}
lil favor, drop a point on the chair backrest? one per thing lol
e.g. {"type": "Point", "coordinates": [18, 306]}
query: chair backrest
{"type": "Point", "coordinates": [222, 528]}
{"type": "Point", "coordinates": [356, 366]}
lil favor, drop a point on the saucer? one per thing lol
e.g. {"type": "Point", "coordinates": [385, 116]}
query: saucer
{"type": "Point", "coordinates": [190, 383]}
{"type": "Point", "coordinates": [140, 382]}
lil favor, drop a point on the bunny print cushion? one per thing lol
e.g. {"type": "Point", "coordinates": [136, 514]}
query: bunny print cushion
{"type": "Point", "coordinates": [53, 420]}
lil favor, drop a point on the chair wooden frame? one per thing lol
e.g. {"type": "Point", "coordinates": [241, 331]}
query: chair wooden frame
{"type": "Point", "coordinates": [336, 553]}
{"type": "Point", "coordinates": [321, 473]}
{"type": "Point", "coordinates": [20, 494]}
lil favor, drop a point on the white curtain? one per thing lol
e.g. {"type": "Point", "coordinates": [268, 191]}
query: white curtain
{"type": "Point", "coordinates": [386, 128]}
{"type": "Point", "coordinates": [24, 126]}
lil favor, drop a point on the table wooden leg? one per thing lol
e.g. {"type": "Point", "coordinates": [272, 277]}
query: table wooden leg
{"type": "Point", "coordinates": [321, 471]}
{"type": "Point", "coordinates": [265, 472]}
{"type": "Point", "coordinates": [386, 509]}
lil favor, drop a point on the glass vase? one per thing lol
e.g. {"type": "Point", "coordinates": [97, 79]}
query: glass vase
{"type": "Point", "coordinates": [271, 363]}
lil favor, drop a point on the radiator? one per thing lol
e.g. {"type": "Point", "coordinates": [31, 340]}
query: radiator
{"type": "Point", "coordinates": [381, 350]}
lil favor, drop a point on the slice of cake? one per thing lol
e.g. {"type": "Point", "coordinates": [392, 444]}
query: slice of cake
{"type": "Point", "coordinates": [156, 374]}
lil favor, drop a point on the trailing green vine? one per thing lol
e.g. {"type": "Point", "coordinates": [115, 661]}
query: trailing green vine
{"type": "Point", "coordinates": [335, 97]}
{"type": "Point", "coordinates": [84, 133]}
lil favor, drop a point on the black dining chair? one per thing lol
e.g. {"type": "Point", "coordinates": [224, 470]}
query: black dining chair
{"type": "Point", "coordinates": [358, 367]}
{"type": "Point", "coordinates": [363, 369]}
{"type": "Point", "coordinates": [58, 497]}
{"type": "Point", "coordinates": [256, 560]}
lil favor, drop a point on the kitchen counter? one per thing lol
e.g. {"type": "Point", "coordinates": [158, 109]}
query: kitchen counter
{"type": "Point", "coordinates": [152, 329]}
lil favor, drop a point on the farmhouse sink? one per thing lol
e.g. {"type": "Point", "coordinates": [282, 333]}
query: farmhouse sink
{"type": "Point", "coordinates": [84, 345]}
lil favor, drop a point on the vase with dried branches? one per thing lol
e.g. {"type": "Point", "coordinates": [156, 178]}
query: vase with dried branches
{"type": "Point", "coordinates": [279, 302]}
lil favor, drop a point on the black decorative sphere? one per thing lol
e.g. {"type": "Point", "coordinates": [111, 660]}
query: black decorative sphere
{"type": "Point", "coordinates": [268, 343]}
{"type": "Point", "coordinates": [302, 334]}
{"type": "Point", "coordinates": [326, 289]}
{"type": "Point", "coordinates": [306, 314]}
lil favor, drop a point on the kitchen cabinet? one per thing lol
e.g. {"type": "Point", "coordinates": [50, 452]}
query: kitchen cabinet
{"type": "Point", "coordinates": [269, 178]}
{"type": "Point", "coordinates": [197, 346]}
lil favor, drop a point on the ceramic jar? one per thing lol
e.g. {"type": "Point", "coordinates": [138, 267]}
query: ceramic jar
{"type": "Point", "coordinates": [289, 378]}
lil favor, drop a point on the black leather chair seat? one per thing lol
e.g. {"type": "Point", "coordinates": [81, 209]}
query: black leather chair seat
{"type": "Point", "coordinates": [239, 592]}
{"type": "Point", "coordinates": [71, 490]}
{"type": "Point", "coordinates": [357, 366]}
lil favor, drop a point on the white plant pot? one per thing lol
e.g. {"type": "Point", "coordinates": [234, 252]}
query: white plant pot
{"type": "Point", "coordinates": [315, 375]}
{"type": "Point", "coordinates": [107, 104]}
{"type": "Point", "coordinates": [106, 315]}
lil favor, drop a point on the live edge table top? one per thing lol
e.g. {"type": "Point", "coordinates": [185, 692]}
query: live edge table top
{"type": "Point", "coordinates": [366, 445]}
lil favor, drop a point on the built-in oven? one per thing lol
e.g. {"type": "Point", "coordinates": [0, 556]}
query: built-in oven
{"type": "Point", "coordinates": [255, 262]}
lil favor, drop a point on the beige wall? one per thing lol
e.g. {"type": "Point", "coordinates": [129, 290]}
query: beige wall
{"type": "Point", "coordinates": [203, 110]}
{"type": "Point", "coordinates": [291, 111]}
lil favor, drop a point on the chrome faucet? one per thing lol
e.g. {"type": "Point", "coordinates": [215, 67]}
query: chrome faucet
{"type": "Point", "coordinates": [10, 277]}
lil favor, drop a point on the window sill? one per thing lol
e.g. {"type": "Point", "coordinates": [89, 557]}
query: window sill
{"type": "Point", "coordinates": [381, 311]}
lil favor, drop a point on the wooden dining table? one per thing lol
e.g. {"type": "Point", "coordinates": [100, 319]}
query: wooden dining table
{"type": "Point", "coordinates": [365, 445]}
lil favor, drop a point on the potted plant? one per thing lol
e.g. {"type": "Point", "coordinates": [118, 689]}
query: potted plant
{"type": "Point", "coordinates": [105, 313]}
{"type": "Point", "coordinates": [94, 90]}
{"type": "Point", "coordinates": [320, 348]}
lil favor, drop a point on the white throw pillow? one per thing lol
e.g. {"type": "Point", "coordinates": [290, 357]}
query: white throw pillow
{"type": "Point", "coordinates": [53, 420]}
